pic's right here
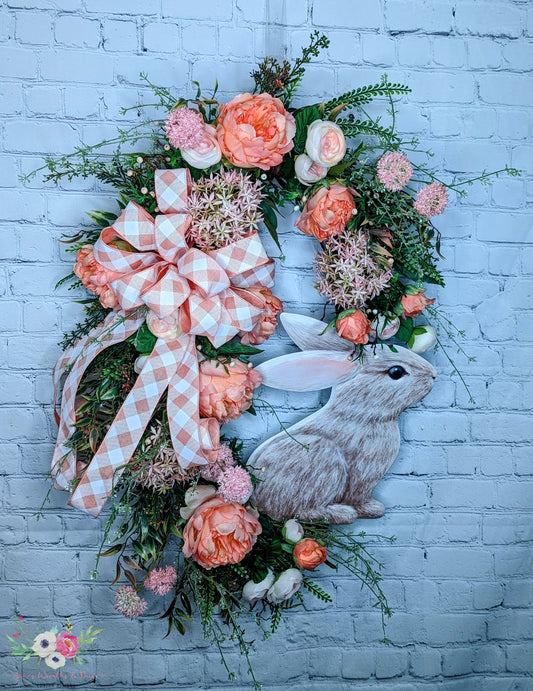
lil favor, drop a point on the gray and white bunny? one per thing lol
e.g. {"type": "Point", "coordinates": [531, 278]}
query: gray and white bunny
{"type": "Point", "coordinates": [326, 466]}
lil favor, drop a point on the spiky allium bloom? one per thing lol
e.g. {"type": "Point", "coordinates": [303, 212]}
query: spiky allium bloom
{"type": "Point", "coordinates": [160, 471]}
{"type": "Point", "coordinates": [224, 208]}
{"type": "Point", "coordinates": [235, 485]}
{"type": "Point", "coordinates": [224, 461]}
{"type": "Point", "coordinates": [431, 200]}
{"type": "Point", "coordinates": [349, 274]}
{"type": "Point", "coordinates": [160, 581]}
{"type": "Point", "coordinates": [128, 602]}
{"type": "Point", "coordinates": [394, 170]}
{"type": "Point", "coordinates": [184, 128]}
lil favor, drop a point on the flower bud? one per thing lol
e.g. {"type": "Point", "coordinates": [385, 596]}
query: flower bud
{"type": "Point", "coordinates": [252, 592]}
{"type": "Point", "coordinates": [307, 171]}
{"type": "Point", "coordinates": [424, 341]}
{"type": "Point", "coordinates": [285, 585]}
{"type": "Point", "coordinates": [292, 531]}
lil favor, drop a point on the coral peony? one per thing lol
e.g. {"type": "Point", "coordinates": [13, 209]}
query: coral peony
{"type": "Point", "coordinates": [327, 212]}
{"type": "Point", "coordinates": [219, 533]}
{"type": "Point", "coordinates": [226, 391]}
{"type": "Point", "coordinates": [309, 554]}
{"type": "Point", "coordinates": [67, 644]}
{"type": "Point", "coordinates": [325, 143]}
{"type": "Point", "coordinates": [184, 127]}
{"type": "Point", "coordinates": [355, 327]}
{"type": "Point", "coordinates": [255, 131]}
{"type": "Point", "coordinates": [414, 305]}
{"type": "Point", "coordinates": [95, 277]}
{"type": "Point", "coordinates": [205, 152]}
{"type": "Point", "coordinates": [266, 327]}
{"type": "Point", "coordinates": [431, 200]}
{"type": "Point", "coordinates": [394, 170]}
{"type": "Point", "coordinates": [162, 580]}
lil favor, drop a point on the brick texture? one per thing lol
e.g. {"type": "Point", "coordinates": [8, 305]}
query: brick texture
{"type": "Point", "coordinates": [460, 495]}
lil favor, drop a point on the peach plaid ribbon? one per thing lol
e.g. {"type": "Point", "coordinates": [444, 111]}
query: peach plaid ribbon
{"type": "Point", "coordinates": [209, 290]}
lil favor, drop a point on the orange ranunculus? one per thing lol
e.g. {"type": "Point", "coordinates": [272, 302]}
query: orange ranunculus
{"type": "Point", "coordinates": [255, 131]}
{"type": "Point", "coordinates": [266, 327]}
{"type": "Point", "coordinates": [95, 277]}
{"type": "Point", "coordinates": [309, 554]}
{"type": "Point", "coordinates": [226, 391]}
{"type": "Point", "coordinates": [219, 532]}
{"type": "Point", "coordinates": [327, 212]}
{"type": "Point", "coordinates": [355, 328]}
{"type": "Point", "coordinates": [414, 305]}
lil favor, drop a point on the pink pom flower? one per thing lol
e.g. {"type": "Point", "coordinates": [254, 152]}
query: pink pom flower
{"type": "Point", "coordinates": [431, 200]}
{"type": "Point", "coordinates": [235, 485]}
{"type": "Point", "coordinates": [184, 128]}
{"type": "Point", "coordinates": [128, 603]}
{"type": "Point", "coordinates": [160, 581]}
{"type": "Point", "coordinates": [394, 170]}
{"type": "Point", "coordinates": [224, 461]}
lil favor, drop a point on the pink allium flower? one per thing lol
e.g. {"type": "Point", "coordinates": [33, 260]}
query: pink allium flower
{"type": "Point", "coordinates": [160, 581]}
{"type": "Point", "coordinates": [394, 170]}
{"type": "Point", "coordinates": [224, 461]}
{"type": "Point", "coordinates": [431, 200]}
{"type": "Point", "coordinates": [128, 603]}
{"type": "Point", "coordinates": [184, 128]}
{"type": "Point", "coordinates": [235, 485]}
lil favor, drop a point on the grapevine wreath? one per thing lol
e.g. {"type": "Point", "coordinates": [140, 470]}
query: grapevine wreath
{"type": "Point", "coordinates": [180, 298]}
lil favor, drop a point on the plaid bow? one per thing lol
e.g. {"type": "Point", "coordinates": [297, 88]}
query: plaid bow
{"type": "Point", "coordinates": [206, 291]}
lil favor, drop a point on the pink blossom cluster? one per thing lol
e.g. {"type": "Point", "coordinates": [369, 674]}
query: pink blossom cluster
{"type": "Point", "coordinates": [235, 485]}
{"type": "Point", "coordinates": [224, 461]}
{"type": "Point", "coordinates": [184, 128]}
{"type": "Point", "coordinates": [161, 580]}
{"type": "Point", "coordinates": [431, 200]}
{"type": "Point", "coordinates": [394, 170]}
{"type": "Point", "coordinates": [128, 602]}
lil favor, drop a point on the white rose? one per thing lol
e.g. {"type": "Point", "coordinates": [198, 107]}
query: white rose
{"type": "Point", "coordinates": [285, 585]}
{"type": "Point", "coordinates": [139, 363]}
{"type": "Point", "coordinates": [325, 143]}
{"type": "Point", "coordinates": [307, 171]}
{"type": "Point", "coordinates": [206, 153]}
{"type": "Point", "coordinates": [384, 328]}
{"type": "Point", "coordinates": [292, 531]}
{"type": "Point", "coordinates": [163, 328]}
{"type": "Point", "coordinates": [195, 496]}
{"type": "Point", "coordinates": [425, 341]}
{"type": "Point", "coordinates": [252, 592]}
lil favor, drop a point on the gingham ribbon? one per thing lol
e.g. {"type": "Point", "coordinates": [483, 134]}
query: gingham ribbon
{"type": "Point", "coordinates": [209, 290]}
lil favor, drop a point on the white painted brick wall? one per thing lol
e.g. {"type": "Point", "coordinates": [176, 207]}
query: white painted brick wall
{"type": "Point", "coordinates": [460, 495]}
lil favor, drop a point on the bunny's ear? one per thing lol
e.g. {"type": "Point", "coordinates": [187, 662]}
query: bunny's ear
{"type": "Point", "coordinates": [306, 332]}
{"type": "Point", "coordinates": [308, 371]}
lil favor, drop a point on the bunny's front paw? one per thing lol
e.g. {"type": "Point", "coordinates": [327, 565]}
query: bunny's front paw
{"type": "Point", "coordinates": [371, 509]}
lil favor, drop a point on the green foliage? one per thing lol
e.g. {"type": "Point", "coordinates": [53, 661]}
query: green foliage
{"type": "Point", "coordinates": [303, 119]}
{"type": "Point", "coordinates": [94, 315]}
{"type": "Point", "coordinates": [364, 95]}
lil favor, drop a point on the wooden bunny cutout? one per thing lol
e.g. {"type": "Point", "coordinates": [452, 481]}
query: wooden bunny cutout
{"type": "Point", "coordinates": [326, 466]}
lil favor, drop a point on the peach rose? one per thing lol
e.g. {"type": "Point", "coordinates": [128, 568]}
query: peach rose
{"type": "Point", "coordinates": [255, 131]}
{"type": "Point", "coordinates": [309, 554]}
{"type": "Point", "coordinates": [327, 212]}
{"type": "Point", "coordinates": [355, 328]}
{"type": "Point", "coordinates": [266, 327]}
{"type": "Point", "coordinates": [414, 305]}
{"type": "Point", "coordinates": [95, 277]}
{"type": "Point", "coordinates": [206, 152]}
{"type": "Point", "coordinates": [325, 143]}
{"type": "Point", "coordinates": [219, 533]}
{"type": "Point", "coordinates": [226, 391]}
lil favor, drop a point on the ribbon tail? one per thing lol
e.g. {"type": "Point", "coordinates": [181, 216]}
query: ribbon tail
{"type": "Point", "coordinates": [193, 440]}
{"type": "Point", "coordinates": [127, 429]}
{"type": "Point", "coordinates": [115, 329]}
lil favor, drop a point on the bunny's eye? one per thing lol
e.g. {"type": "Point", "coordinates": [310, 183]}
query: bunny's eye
{"type": "Point", "coordinates": [396, 372]}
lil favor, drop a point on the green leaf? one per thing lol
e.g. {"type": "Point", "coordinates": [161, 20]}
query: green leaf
{"type": "Point", "coordinates": [144, 340]}
{"type": "Point", "coordinates": [234, 348]}
{"type": "Point", "coordinates": [270, 220]}
{"type": "Point", "coordinates": [303, 119]}
{"type": "Point", "coordinates": [131, 577]}
{"type": "Point", "coordinates": [111, 551]}
{"type": "Point", "coordinates": [405, 330]}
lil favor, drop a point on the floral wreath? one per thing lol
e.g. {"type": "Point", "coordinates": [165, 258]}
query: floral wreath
{"type": "Point", "coordinates": [181, 298]}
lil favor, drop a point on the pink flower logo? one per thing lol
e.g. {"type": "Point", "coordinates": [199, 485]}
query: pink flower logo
{"type": "Point", "coordinates": [67, 644]}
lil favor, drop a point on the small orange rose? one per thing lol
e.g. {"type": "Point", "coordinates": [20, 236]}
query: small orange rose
{"type": "Point", "coordinates": [355, 328]}
{"type": "Point", "coordinates": [327, 212]}
{"type": "Point", "coordinates": [309, 554]}
{"type": "Point", "coordinates": [226, 392]}
{"type": "Point", "coordinates": [266, 327]}
{"type": "Point", "coordinates": [413, 305]}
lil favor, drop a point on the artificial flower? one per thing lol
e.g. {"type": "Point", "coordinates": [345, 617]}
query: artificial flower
{"type": "Point", "coordinates": [44, 644]}
{"type": "Point", "coordinates": [205, 152]}
{"type": "Point", "coordinates": [67, 644]}
{"type": "Point", "coordinates": [415, 304]}
{"type": "Point", "coordinates": [309, 554]}
{"type": "Point", "coordinates": [266, 326]}
{"type": "Point", "coordinates": [219, 533]}
{"type": "Point", "coordinates": [184, 127]}
{"type": "Point", "coordinates": [252, 592]}
{"type": "Point", "coordinates": [327, 212]}
{"type": "Point", "coordinates": [285, 585]}
{"type": "Point", "coordinates": [95, 277]}
{"type": "Point", "coordinates": [166, 328]}
{"type": "Point", "coordinates": [139, 363]}
{"type": "Point", "coordinates": [55, 660]}
{"type": "Point", "coordinates": [308, 171]}
{"type": "Point", "coordinates": [128, 602]}
{"type": "Point", "coordinates": [325, 143]}
{"type": "Point", "coordinates": [431, 200]}
{"type": "Point", "coordinates": [383, 327]}
{"type": "Point", "coordinates": [195, 496]}
{"type": "Point", "coordinates": [161, 580]}
{"type": "Point", "coordinates": [224, 460]}
{"type": "Point", "coordinates": [235, 484]}
{"type": "Point", "coordinates": [424, 341]}
{"type": "Point", "coordinates": [226, 391]}
{"type": "Point", "coordinates": [292, 531]}
{"type": "Point", "coordinates": [394, 170]}
{"type": "Point", "coordinates": [255, 131]}
{"type": "Point", "coordinates": [354, 327]}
